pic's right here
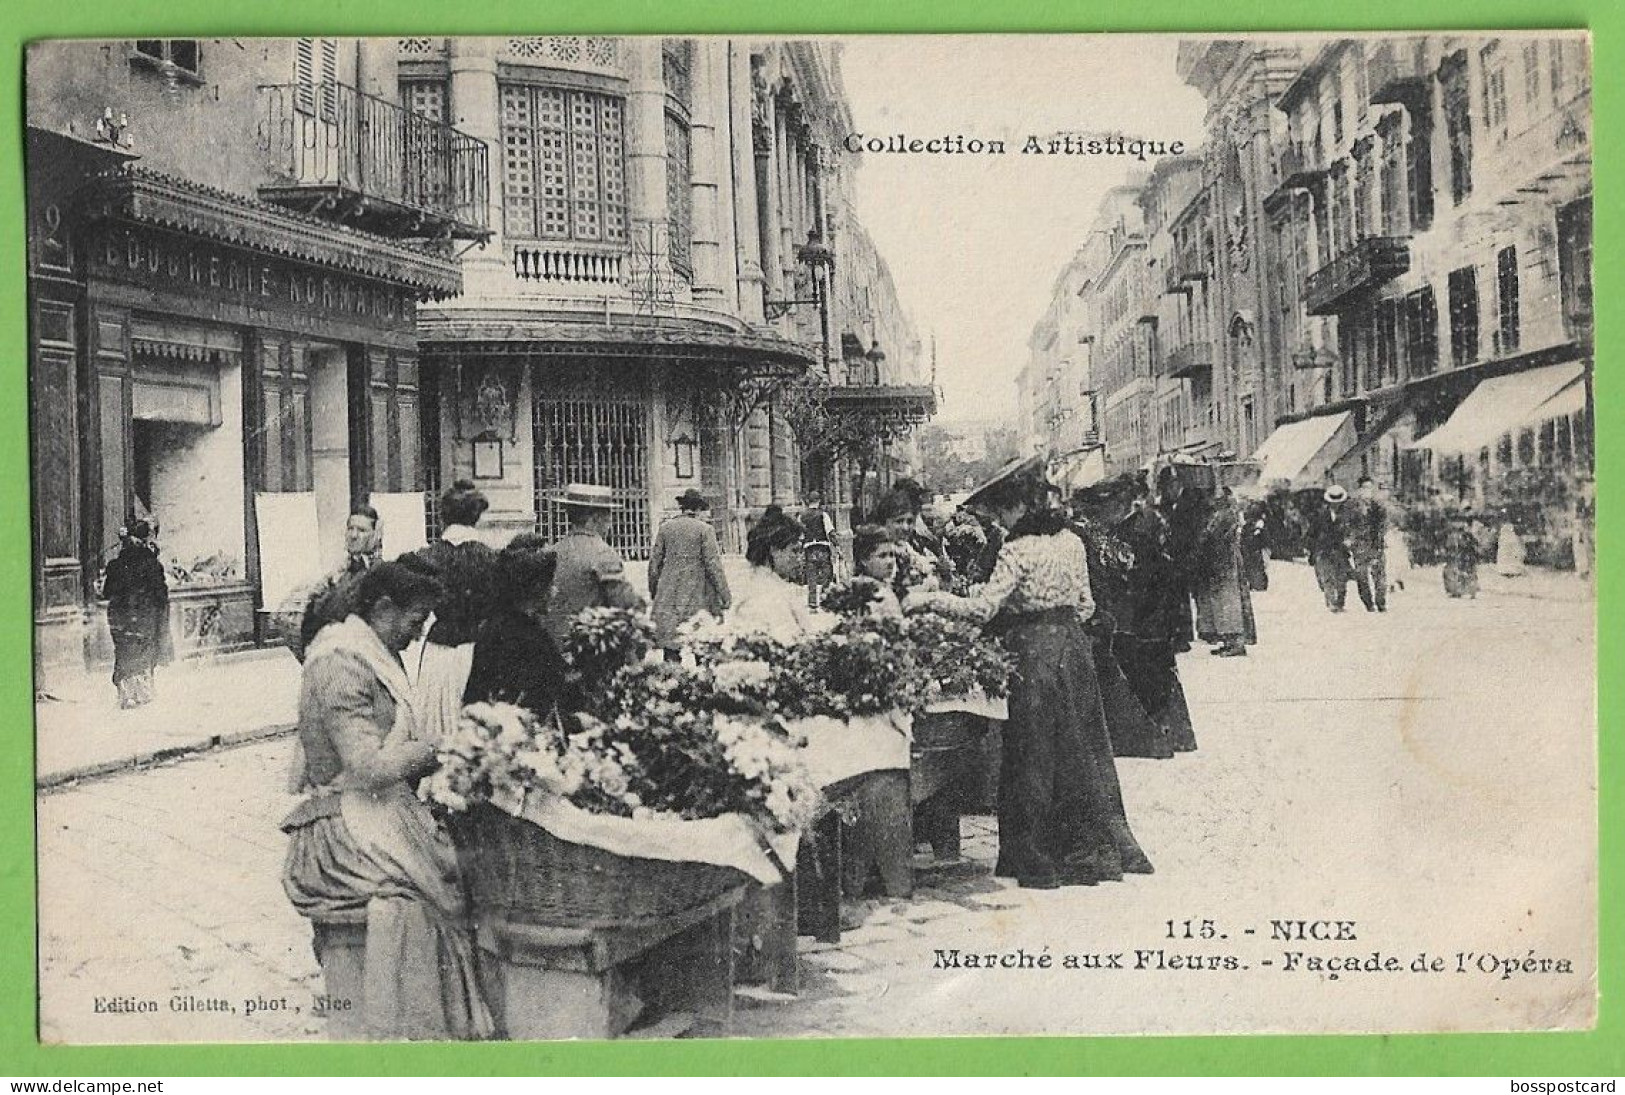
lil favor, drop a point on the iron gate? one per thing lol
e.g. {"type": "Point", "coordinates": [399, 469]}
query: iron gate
{"type": "Point", "coordinates": [594, 432]}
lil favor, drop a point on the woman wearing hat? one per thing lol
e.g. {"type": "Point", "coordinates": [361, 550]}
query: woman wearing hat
{"type": "Point", "coordinates": [137, 595]}
{"type": "Point", "coordinates": [685, 571]}
{"type": "Point", "coordinates": [1061, 817]}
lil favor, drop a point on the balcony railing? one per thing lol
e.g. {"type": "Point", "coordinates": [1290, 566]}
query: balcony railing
{"type": "Point", "coordinates": [1362, 268]}
{"type": "Point", "coordinates": [1301, 165]}
{"type": "Point", "coordinates": [372, 163]}
{"type": "Point", "coordinates": [568, 264]}
{"type": "Point", "coordinates": [1396, 71]}
{"type": "Point", "coordinates": [1188, 358]}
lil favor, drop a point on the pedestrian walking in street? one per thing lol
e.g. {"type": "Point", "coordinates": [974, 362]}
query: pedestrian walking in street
{"type": "Point", "coordinates": [590, 574]}
{"type": "Point", "coordinates": [1254, 541]}
{"type": "Point", "coordinates": [1147, 633]}
{"type": "Point", "coordinates": [334, 598]}
{"type": "Point", "coordinates": [361, 842]}
{"type": "Point", "coordinates": [1508, 549]}
{"type": "Point", "coordinates": [137, 593]}
{"type": "Point", "coordinates": [465, 568]}
{"type": "Point", "coordinates": [1184, 513]}
{"type": "Point", "coordinates": [1368, 546]}
{"type": "Point", "coordinates": [515, 658]}
{"type": "Point", "coordinates": [1097, 511]}
{"type": "Point", "coordinates": [1329, 548]}
{"type": "Point", "coordinates": [1224, 615]}
{"type": "Point", "coordinates": [1461, 557]}
{"type": "Point", "coordinates": [685, 571]}
{"type": "Point", "coordinates": [1061, 815]}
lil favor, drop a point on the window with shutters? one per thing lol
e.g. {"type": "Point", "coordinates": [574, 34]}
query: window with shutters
{"type": "Point", "coordinates": [1506, 296]}
{"type": "Point", "coordinates": [1493, 66]}
{"type": "Point", "coordinates": [1393, 177]}
{"type": "Point", "coordinates": [679, 193]}
{"type": "Point", "coordinates": [1463, 316]}
{"type": "Point", "coordinates": [1458, 124]}
{"type": "Point", "coordinates": [316, 77]}
{"type": "Point", "coordinates": [1531, 71]}
{"type": "Point", "coordinates": [1421, 333]}
{"type": "Point", "coordinates": [563, 164]}
{"type": "Point", "coordinates": [426, 98]}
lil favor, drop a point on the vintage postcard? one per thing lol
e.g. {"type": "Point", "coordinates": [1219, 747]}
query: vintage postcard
{"type": "Point", "coordinates": [581, 537]}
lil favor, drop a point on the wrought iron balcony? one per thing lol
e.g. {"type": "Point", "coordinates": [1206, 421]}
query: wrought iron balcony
{"type": "Point", "coordinates": [1301, 166]}
{"type": "Point", "coordinates": [1356, 272]}
{"type": "Point", "coordinates": [341, 153]}
{"type": "Point", "coordinates": [1396, 71]}
{"type": "Point", "coordinates": [1187, 359]}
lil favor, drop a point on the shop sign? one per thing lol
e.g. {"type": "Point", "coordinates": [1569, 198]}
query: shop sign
{"type": "Point", "coordinates": [161, 261]}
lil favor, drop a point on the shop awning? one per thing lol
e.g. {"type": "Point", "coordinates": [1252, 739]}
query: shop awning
{"type": "Point", "coordinates": [1503, 404]}
{"type": "Point", "coordinates": [1303, 451]}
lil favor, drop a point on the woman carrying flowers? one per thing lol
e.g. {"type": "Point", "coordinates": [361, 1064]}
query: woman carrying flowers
{"type": "Point", "coordinates": [361, 842]}
{"type": "Point", "coordinates": [1061, 816]}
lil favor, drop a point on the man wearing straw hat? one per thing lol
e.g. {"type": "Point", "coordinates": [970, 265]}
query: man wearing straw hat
{"type": "Point", "coordinates": [590, 573]}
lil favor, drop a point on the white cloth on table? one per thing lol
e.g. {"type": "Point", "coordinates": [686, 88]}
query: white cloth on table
{"type": "Point", "coordinates": [839, 749]}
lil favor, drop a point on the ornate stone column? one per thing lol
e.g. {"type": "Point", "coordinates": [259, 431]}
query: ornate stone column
{"type": "Point", "coordinates": [709, 166]}
{"type": "Point", "coordinates": [747, 223]}
{"type": "Point", "coordinates": [477, 111]}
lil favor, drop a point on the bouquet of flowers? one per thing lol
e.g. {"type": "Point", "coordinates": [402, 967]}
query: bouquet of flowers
{"type": "Point", "coordinates": [852, 597]}
{"type": "Point", "coordinates": [957, 659]}
{"type": "Point", "coordinates": [602, 640]}
{"type": "Point", "coordinates": [657, 758]}
{"type": "Point", "coordinates": [866, 665]}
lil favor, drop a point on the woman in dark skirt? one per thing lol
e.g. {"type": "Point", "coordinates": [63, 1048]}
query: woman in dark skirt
{"type": "Point", "coordinates": [1061, 816]}
{"type": "Point", "coordinates": [1111, 563]}
{"type": "Point", "coordinates": [1150, 628]}
{"type": "Point", "coordinates": [137, 615]}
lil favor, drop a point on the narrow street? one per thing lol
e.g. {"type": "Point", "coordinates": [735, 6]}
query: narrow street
{"type": "Point", "coordinates": [1428, 774]}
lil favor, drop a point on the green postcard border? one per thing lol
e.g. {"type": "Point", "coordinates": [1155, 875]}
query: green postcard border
{"type": "Point", "coordinates": [1596, 1053]}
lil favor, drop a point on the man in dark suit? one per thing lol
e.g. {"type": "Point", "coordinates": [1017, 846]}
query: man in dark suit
{"type": "Point", "coordinates": [1330, 548]}
{"type": "Point", "coordinates": [1368, 546]}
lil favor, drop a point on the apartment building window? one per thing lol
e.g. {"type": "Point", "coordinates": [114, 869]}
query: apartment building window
{"type": "Point", "coordinates": [1463, 315]}
{"type": "Point", "coordinates": [677, 67]}
{"type": "Point", "coordinates": [1506, 295]}
{"type": "Point", "coordinates": [1493, 65]}
{"type": "Point", "coordinates": [1337, 109]}
{"type": "Point", "coordinates": [1348, 342]}
{"type": "Point", "coordinates": [1421, 332]}
{"type": "Point", "coordinates": [426, 98]}
{"type": "Point", "coordinates": [1336, 199]}
{"type": "Point", "coordinates": [316, 77]}
{"type": "Point", "coordinates": [1531, 72]}
{"type": "Point", "coordinates": [181, 55]}
{"type": "Point", "coordinates": [1458, 124]}
{"type": "Point", "coordinates": [563, 164]}
{"type": "Point", "coordinates": [1364, 185]}
{"type": "Point", "coordinates": [1392, 182]}
{"type": "Point", "coordinates": [1387, 321]}
{"type": "Point", "coordinates": [1419, 170]}
{"type": "Point", "coordinates": [1574, 268]}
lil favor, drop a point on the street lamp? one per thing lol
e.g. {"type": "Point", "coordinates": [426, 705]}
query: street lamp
{"type": "Point", "coordinates": [817, 257]}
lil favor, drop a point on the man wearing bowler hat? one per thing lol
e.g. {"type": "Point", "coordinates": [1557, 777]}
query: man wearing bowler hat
{"type": "Point", "coordinates": [685, 571]}
{"type": "Point", "coordinates": [590, 573]}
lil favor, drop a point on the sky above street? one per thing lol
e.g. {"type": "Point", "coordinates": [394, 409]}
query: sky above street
{"type": "Point", "coordinates": [975, 242]}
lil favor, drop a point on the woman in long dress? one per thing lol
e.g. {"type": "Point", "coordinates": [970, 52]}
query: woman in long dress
{"type": "Point", "coordinates": [1061, 816]}
{"type": "Point", "coordinates": [465, 567]}
{"type": "Point", "coordinates": [361, 843]}
{"type": "Point", "coordinates": [515, 658]}
{"type": "Point", "coordinates": [1508, 550]}
{"type": "Point", "coordinates": [1461, 558]}
{"type": "Point", "coordinates": [137, 595]}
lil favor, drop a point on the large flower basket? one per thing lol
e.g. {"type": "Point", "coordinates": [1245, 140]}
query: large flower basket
{"type": "Point", "coordinates": [521, 872]}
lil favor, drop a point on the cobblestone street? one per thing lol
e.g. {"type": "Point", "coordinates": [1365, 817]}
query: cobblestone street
{"type": "Point", "coordinates": [1355, 767]}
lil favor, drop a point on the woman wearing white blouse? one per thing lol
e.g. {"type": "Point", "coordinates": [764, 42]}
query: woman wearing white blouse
{"type": "Point", "coordinates": [1061, 816]}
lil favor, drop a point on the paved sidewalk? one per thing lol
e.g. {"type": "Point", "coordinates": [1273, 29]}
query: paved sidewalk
{"type": "Point", "coordinates": [201, 704]}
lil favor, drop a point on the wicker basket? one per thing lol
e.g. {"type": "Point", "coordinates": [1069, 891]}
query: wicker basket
{"type": "Point", "coordinates": [526, 875]}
